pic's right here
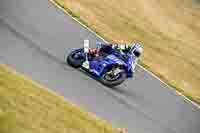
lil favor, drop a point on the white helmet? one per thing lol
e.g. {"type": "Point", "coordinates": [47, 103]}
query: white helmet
{"type": "Point", "coordinates": [138, 50]}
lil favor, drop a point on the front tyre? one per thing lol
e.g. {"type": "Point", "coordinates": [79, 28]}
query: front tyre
{"type": "Point", "coordinates": [76, 58]}
{"type": "Point", "coordinates": [113, 80]}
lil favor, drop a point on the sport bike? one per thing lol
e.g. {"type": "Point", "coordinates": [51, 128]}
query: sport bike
{"type": "Point", "coordinates": [111, 64]}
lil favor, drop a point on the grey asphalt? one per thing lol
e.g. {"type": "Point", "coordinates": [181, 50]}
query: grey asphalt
{"type": "Point", "coordinates": [35, 36]}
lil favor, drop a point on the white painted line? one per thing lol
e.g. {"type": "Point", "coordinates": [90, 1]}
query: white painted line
{"type": "Point", "coordinates": [153, 75]}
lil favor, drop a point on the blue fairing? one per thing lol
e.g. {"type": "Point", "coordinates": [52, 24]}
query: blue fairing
{"type": "Point", "coordinates": [98, 65]}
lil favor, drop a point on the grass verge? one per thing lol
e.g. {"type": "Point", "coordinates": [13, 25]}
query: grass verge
{"type": "Point", "coordinates": [27, 107]}
{"type": "Point", "coordinates": [169, 31]}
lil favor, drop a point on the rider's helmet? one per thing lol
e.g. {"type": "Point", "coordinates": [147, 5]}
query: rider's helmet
{"type": "Point", "coordinates": [137, 50]}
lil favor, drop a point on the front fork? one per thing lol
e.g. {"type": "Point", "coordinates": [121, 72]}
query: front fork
{"type": "Point", "coordinates": [86, 63]}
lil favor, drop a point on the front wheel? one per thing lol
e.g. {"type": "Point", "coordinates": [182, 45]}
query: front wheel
{"type": "Point", "coordinates": [76, 58]}
{"type": "Point", "coordinates": [113, 77]}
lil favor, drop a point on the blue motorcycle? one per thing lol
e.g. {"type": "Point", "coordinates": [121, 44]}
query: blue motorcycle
{"type": "Point", "coordinates": [111, 64]}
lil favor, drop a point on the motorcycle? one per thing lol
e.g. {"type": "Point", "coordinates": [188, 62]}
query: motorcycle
{"type": "Point", "coordinates": [109, 63]}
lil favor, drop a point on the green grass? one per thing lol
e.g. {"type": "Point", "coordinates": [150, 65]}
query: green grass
{"type": "Point", "coordinates": [27, 107]}
{"type": "Point", "coordinates": [169, 31]}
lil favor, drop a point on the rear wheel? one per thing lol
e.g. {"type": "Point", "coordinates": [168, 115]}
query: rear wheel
{"type": "Point", "coordinates": [113, 77]}
{"type": "Point", "coordinates": [76, 58]}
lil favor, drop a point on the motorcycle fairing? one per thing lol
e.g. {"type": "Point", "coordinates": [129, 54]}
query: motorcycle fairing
{"type": "Point", "coordinates": [98, 65]}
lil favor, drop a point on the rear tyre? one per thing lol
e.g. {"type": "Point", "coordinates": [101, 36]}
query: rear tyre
{"type": "Point", "coordinates": [75, 58]}
{"type": "Point", "coordinates": [121, 77]}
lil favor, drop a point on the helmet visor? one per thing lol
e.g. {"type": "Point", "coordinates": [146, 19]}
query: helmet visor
{"type": "Point", "coordinates": [137, 53]}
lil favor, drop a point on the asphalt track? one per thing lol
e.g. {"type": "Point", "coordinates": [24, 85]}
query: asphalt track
{"type": "Point", "coordinates": [35, 36]}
